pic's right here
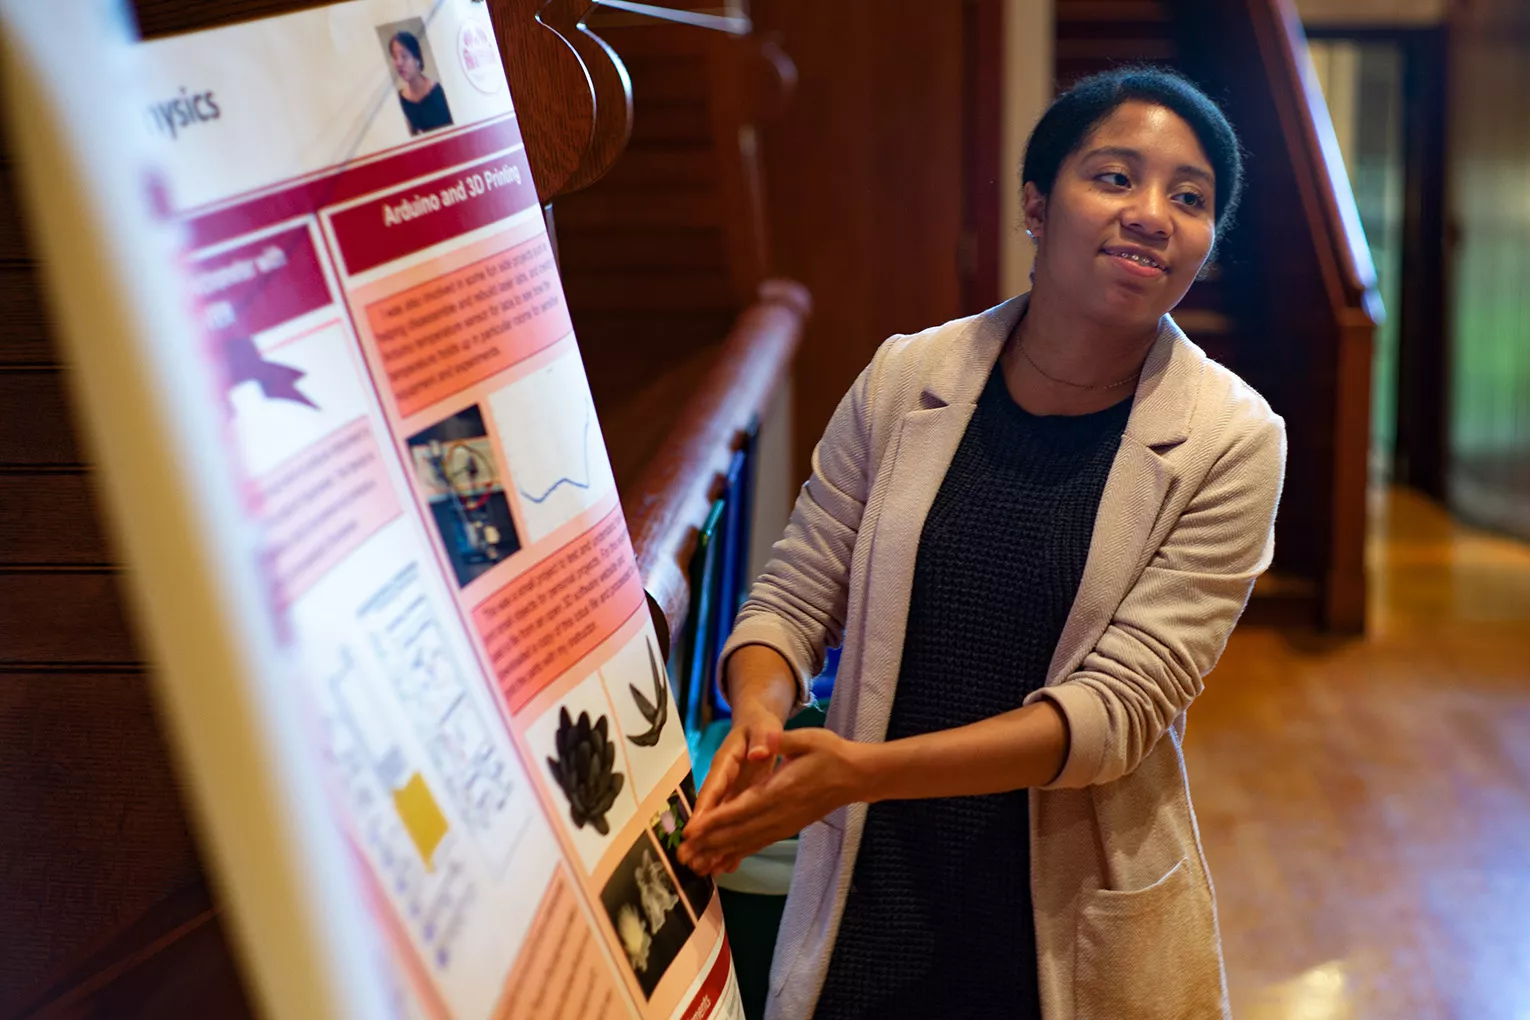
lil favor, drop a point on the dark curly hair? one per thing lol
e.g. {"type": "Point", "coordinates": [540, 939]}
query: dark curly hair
{"type": "Point", "coordinates": [1073, 115]}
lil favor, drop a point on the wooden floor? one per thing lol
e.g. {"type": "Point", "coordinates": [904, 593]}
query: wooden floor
{"type": "Point", "coordinates": [1365, 804]}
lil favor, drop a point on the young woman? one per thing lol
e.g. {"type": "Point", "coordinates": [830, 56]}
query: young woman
{"type": "Point", "coordinates": [423, 100]}
{"type": "Point", "coordinates": [1032, 531]}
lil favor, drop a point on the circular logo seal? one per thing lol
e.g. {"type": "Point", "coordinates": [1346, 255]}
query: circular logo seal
{"type": "Point", "coordinates": [479, 56]}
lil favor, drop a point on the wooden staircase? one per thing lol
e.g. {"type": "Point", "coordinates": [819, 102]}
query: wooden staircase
{"type": "Point", "coordinates": [1291, 303]}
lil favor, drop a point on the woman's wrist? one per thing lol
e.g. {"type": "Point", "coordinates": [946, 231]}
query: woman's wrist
{"type": "Point", "coordinates": [760, 681]}
{"type": "Point", "coordinates": [755, 715]}
{"type": "Point", "coordinates": [868, 765]}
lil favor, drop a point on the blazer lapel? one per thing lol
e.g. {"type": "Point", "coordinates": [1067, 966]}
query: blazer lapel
{"type": "Point", "coordinates": [1134, 493]}
{"type": "Point", "coordinates": [926, 442]}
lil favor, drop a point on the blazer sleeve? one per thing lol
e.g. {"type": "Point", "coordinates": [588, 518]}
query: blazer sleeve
{"type": "Point", "coordinates": [797, 605]}
{"type": "Point", "coordinates": [1171, 627]}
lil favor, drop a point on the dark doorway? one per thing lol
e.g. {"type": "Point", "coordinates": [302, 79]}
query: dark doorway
{"type": "Point", "coordinates": [1388, 93]}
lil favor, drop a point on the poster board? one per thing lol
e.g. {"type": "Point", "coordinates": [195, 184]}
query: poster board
{"type": "Point", "coordinates": [421, 642]}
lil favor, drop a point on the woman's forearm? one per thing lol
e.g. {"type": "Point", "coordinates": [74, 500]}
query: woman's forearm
{"type": "Point", "coordinates": [1019, 749]}
{"type": "Point", "coordinates": [760, 679]}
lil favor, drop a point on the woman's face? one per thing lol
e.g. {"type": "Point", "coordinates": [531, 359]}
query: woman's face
{"type": "Point", "coordinates": [1130, 220]}
{"type": "Point", "coordinates": [404, 63]}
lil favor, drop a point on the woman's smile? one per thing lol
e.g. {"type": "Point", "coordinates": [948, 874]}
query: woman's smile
{"type": "Point", "coordinates": [1137, 262]}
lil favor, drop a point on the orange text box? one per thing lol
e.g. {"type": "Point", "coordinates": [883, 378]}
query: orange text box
{"type": "Point", "coordinates": [561, 973]}
{"type": "Point", "coordinates": [446, 334]}
{"type": "Point", "coordinates": [540, 624]}
{"type": "Point", "coordinates": [321, 504]}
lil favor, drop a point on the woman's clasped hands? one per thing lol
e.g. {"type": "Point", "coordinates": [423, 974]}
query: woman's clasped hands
{"type": "Point", "coordinates": [767, 784]}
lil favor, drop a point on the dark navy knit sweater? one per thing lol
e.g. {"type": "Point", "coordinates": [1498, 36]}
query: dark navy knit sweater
{"type": "Point", "coordinates": [939, 920]}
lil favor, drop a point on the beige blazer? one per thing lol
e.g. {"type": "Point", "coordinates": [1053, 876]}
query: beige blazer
{"type": "Point", "coordinates": [1126, 922]}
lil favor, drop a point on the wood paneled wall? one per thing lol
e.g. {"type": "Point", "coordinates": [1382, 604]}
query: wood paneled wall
{"type": "Point", "coordinates": [865, 181]}
{"type": "Point", "coordinates": [655, 269]}
{"type": "Point", "coordinates": [1489, 140]}
{"type": "Point", "coordinates": [94, 832]}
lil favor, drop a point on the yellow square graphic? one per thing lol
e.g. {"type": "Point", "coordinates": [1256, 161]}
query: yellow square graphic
{"type": "Point", "coordinates": [422, 816]}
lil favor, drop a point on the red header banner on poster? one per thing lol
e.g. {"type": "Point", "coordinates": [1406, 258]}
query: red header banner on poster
{"type": "Point", "coordinates": [410, 219]}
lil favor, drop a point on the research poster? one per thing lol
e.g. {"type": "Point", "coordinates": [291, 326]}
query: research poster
{"type": "Point", "coordinates": [443, 550]}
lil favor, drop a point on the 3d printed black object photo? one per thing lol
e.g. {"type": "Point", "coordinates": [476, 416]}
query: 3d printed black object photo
{"type": "Point", "coordinates": [655, 712]}
{"type": "Point", "coordinates": [584, 770]}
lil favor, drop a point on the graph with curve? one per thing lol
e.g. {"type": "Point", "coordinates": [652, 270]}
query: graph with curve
{"type": "Point", "coordinates": [552, 444]}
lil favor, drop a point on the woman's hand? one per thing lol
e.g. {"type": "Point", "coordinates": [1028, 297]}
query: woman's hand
{"type": "Point", "coordinates": [745, 757]}
{"type": "Point", "coordinates": [820, 771]}
{"type": "Point", "coordinates": [764, 689]}
{"type": "Point", "coordinates": [743, 760]}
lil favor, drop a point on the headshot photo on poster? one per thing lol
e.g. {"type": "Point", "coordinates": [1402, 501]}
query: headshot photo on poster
{"type": "Point", "coordinates": [413, 68]}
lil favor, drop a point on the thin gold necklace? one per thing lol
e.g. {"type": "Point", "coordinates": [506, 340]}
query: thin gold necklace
{"type": "Point", "coordinates": [1064, 382]}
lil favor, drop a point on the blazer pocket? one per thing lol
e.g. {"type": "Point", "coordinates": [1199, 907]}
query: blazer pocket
{"type": "Point", "coordinates": [1149, 953]}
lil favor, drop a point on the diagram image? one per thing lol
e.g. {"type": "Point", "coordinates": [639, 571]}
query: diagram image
{"type": "Point", "coordinates": [394, 812]}
{"type": "Point", "coordinates": [552, 444]}
{"type": "Point", "coordinates": [478, 770]}
{"type": "Point", "coordinates": [455, 468]}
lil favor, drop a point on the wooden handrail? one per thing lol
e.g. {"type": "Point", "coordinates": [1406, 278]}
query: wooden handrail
{"type": "Point", "coordinates": [728, 24]}
{"type": "Point", "coordinates": [669, 503]}
{"type": "Point", "coordinates": [1349, 274]}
